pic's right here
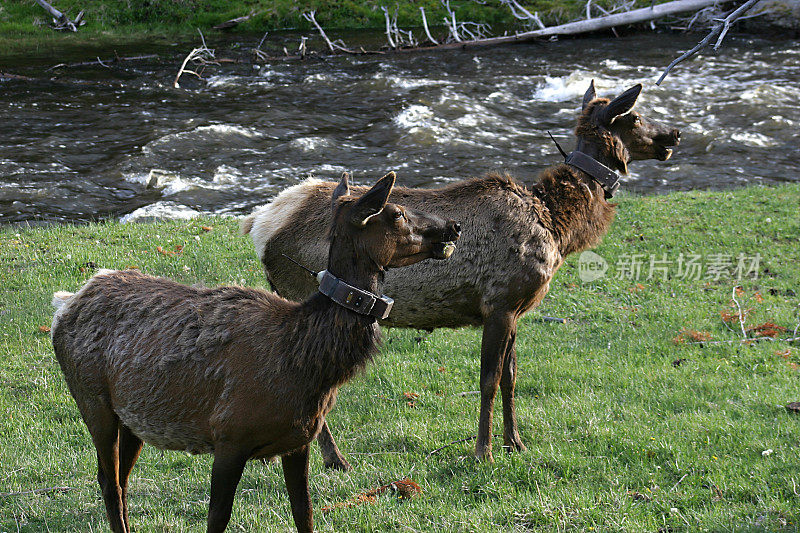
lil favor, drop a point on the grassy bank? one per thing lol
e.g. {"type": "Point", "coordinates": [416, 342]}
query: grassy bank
{"type": "Point", "coordinates": [630, 426]}
{"type": "Point", "coordinates": [125, 20]}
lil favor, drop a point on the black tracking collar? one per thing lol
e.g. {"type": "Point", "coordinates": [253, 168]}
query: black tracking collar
{"type": "Point", "coordinates": [606, 177]}
{"type": "Point", "coordinates": [353, 298]}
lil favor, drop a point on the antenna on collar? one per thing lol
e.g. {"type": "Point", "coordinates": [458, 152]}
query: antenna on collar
{"type": "Point", "coordinates": [313, 274]}
{"type": "Point", "coordinates": [563, 153]}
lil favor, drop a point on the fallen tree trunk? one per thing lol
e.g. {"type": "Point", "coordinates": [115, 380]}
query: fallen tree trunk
{"type": "Point", "coordinates": [584, 26]}
{"type": "Point", "coordinates": [60, 20]}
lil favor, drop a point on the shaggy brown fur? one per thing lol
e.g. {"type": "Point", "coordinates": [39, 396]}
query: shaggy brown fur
{"type": "Point", "coordinates": [237, 372]}
{"type": "Point", "coordinates": [514, 240]}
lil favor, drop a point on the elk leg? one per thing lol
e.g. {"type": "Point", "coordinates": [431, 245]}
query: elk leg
{"type": "Point", "coordinates": [511, 439]}
{"type": "Point", "coordinates": [225, 475]}
{"type": "Point", "coordinates": [295, 473]}
{"type": "Point", "coordinates": [497, 331]}
{"type": "Point", "coordinates": [103, 425]}
{"type": "Point", "coordinates": [130, 446]}
{"type": "Point", "coordinates": [331, 455]}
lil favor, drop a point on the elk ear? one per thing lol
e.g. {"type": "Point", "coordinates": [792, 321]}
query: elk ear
{"type": "Point", "coordinates": [622, 104]}
{"type": "Point", "coordinates": [590, 95]}
{"type": "Point", "coordinates": [343, 189]}
{"type": "Point", "coordinates": [373, 201]}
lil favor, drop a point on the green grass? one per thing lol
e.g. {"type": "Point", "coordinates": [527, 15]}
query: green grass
{"type": "Point", "coordinates": [119, 21]}
{"type": "Point", "coordinates": [619, 437]}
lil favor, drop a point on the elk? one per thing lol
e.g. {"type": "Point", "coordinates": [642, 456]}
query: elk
{"type": "Point", "coordinates": [515, 239]}
{"type": "Point", "coordinates": [236, 372]}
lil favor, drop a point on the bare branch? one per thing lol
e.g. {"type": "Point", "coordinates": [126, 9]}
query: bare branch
{"type": "Point", "coordinates": [425, 25]}
{"type": "Point", "coordinates": [388, 28]}
{"type": "Point", "coordinates": [202, 55]}
{"type": "Point", "coordinates": [335, 45]}
{"type": "Point", "coordinates": [37, 491]}
{"type": "Point", "coordinates": [741, 313]}
{"type": "Point", "coordinates": [719, 31]}
{"type": "Point", "coordinates": [450, 21]}
{"type": "Point", "coordinates": [261, 42]}
{"type": "Point", "coordinates": [524, 14]}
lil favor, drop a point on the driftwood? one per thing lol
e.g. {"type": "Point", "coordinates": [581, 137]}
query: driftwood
{"type": "Point", "coordinates": [234, 22]}
{"type": "Point", "coordinates": [60, 20]}
{"type": "Point", "coordinates": [9, 76]}
{"type": "Point", "coordinates": [104, 63]}
{"type": "Point", "coordinates": [202, 55]}
{"type": "Point", "coordinates": [463, 35]}
{"type": "Point", "coordinates": [596, 24]}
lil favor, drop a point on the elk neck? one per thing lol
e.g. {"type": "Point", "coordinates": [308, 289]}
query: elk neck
{"type": "Point", "coordinates": [352, 264]}
{"type": "Point", "coordinates": [579, 212]}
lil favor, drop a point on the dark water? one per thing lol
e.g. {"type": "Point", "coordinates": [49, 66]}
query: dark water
{"type": "Point", "coordinates": [99, 142]}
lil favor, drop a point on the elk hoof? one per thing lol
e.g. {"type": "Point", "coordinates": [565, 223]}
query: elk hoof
{"type": "Point", "coordinates": [514, 444]}
{"type": "Point", "coordinates": [484, 453]}
{"type": "Point", "coordinates": [338, 463]}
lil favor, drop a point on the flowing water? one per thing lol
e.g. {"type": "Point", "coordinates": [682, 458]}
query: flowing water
{"type": "Point", "coordinates": [93, 142]}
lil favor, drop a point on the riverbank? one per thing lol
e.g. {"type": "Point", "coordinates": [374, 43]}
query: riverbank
{"type": "Point", "coordinates": [24, 25]}
{"type": "Point", "coordinates": [642, 412]}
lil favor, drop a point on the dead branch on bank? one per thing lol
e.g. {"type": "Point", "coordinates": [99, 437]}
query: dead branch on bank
{"type": "Point", "coordinates": [719, 31]}
{"type": "Point", "coordinates": [525, 15]}
{"type": "Point", "coordinates": [425, 25]}
{"type": "Point", "coordinates": [396, 37]}
{"type": "Point", "coordinates": [334, 45]}
{"type": "Point", "coordinates": [60, 20]}
{"type": "Point", "coordinates": [460, 31]}
{"type": "Point", "coordinates": [463, 35]}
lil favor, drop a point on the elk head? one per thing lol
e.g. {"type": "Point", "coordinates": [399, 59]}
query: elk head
{"type": "Point", "coordinates": [610, 131]}
{"type": "Point", "coordinates": [388, 234]}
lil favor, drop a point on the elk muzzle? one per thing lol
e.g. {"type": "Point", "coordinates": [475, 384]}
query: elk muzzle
{"type": "Point", "coordinates": [666, 138]}
{"type": "Point", "coordinates": [447, 245]}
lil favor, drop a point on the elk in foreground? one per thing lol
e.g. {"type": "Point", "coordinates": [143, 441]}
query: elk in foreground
{"type": "Point", "coordinates": [240, 373]}
{"type": "Point", "coordinates": [515, 239]}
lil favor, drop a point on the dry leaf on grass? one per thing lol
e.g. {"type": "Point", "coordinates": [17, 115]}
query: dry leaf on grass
{"type": "Point", "coordinates": [405, 489]}
{"type": "Point", "coordinates": [692, 335]}
{"type": "Point", "coordinates": [411, 397]}
{"type": "Point", "coordinates": [44, 329]}
{"type": "Point", "coordinates": [767, 329]}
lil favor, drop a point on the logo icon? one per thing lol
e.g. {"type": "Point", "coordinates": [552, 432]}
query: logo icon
{"type": "Point", "coordinates": [591, 267]}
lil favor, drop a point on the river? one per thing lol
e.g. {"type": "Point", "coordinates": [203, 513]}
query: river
{"type": "Point", "coordinates": [95, 142]}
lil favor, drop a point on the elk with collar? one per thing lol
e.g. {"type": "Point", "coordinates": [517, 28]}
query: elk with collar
{"type": "Point", "coordinates": [515, 239]}
{"type": "Point", "coordinates": [236, 372]}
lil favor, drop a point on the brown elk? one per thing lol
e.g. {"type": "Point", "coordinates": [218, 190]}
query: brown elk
{"type": "Point", "coordinates": [240, 373]}
{"type": "Point", "coordinates": [515, 239]}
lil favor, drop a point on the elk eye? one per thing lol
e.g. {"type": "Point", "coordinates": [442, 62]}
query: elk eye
{"type": "Point", "coordinates": [636, 119]}
{"type": "Point", "coordinates": [398, 215]}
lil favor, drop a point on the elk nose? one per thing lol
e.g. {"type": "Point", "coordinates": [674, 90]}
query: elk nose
{"type": "Point", "coordinates": [455, 229]}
